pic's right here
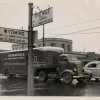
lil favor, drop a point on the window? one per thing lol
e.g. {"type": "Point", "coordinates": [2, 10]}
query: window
{"type": "Point", "coordinates": [35, 58]}
{"type": "Point", "coordinates": [53, 44]}
{"type": "Point", "coordinates": [63, 58]}
{"type": "Point", "coordinates": [68, 48]}
{"type": "Point", "coordinates": [99, 65]}
{"type": "Point", "coordinates": [93, 65]}
{"type": "Point", "coordinates": [72, 58]}
{"type": "Point", "coordinates": [26, 47]}
{"type": "Point", "coordinates": [39, 45]}
{"type": "Point", "coordinates": [98, 59]}
{"type": "Point", "coordinates": [63, 46]}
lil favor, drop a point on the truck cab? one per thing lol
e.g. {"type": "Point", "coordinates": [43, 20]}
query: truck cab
{"type": "Point", "coordinates": [68, 67]}
{"type": "Point", "coordinates": [71, 68]}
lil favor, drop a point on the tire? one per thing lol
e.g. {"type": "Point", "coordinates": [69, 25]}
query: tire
{"type": "Point", "coordinates": [88, 78]}
{"type": "Point", "coordinates": [8, 74]}
{"type": "Point", "coordinates": [43, 76]}
{"type": "Point", "coordinates": [67, 78]}
{"type": "Point", "coordinates": [81, 80]}
{"type": "Point", "coordinates": [97, 79]}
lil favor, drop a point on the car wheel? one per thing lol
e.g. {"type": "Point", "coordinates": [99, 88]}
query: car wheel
{"type": "Point", "coordinates": [97, 79]}
{"type": "Point", "coordinates": [43, 76]}
{"type": "Point", "coordinates": [67, 78]}
{"type": "Point", "coordinates": [89, 77]}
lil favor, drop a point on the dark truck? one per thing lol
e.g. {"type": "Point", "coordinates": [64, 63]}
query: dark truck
{"type": "Point", "coordinates": [49, 63]}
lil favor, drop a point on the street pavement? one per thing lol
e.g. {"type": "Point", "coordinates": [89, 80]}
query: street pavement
{"type": "Point", "coordinates": [18, 87]}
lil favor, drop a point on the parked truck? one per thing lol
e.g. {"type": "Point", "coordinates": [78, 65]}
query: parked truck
{"type": "Point", "coordinates": [49, 63]}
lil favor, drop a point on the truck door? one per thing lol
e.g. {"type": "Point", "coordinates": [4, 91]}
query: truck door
{"type": "Point", "coordinates": [63, 63]}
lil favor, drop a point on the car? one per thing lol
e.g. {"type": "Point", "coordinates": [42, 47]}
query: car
{"type": "Point", "coordinates": [94, 67]}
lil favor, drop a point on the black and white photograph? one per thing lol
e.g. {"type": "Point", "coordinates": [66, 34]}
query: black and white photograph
{"type": "Point", "coordinates": [50, 48]}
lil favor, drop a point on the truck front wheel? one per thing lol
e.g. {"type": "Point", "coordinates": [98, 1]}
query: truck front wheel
{"type": "Point", "coordinates": [43, 76]}
{"type": "Point", "coordinates": [67, 78]}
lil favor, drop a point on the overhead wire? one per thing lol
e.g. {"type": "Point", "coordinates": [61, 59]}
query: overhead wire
{"type": "Point", "coordinates": [73, 24]}
{"type": "Point", "coordinates": [77, 32]}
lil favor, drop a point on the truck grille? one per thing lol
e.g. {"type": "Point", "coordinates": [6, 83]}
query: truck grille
{"type": "Point", "coordinates": [79, 69]}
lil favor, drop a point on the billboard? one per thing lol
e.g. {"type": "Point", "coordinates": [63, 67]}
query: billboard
{"type": "Point", "coordinates": [15, 35]}
{"type": "Point", "coordinates": [42, 17]}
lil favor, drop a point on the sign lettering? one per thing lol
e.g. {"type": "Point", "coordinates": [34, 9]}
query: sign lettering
{"type": "Point", "coordinates": [43, 17]}
{"type": "Point", "coordinates": [13, 35]}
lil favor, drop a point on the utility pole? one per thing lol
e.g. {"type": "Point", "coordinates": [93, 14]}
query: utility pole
{"type": "Point", "coordinates": [30, 90]}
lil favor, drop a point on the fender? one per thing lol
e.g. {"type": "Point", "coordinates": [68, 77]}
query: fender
{"type": "Point", "coordinates": [87, 71]}
{"type": "Point", "coordinates": [67, 70]}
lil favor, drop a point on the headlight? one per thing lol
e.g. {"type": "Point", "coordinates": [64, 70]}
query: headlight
{"type": "Point", "coordinates": [75, 69]}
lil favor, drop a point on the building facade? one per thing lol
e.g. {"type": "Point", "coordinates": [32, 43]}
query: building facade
{"type": "Point", "coordinates": [66, 44]}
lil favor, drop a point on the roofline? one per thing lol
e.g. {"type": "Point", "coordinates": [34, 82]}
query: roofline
{"type": "Point", "coordinates": [57, 39]}
{"type": "Point", "coordinates": [47, 48]}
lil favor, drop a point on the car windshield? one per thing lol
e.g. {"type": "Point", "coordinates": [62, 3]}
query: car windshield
{"type": "Point", "coordinates": [72, 58]}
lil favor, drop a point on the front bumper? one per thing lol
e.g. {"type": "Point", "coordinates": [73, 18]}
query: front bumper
{"type": "Point", "coordinates": [80, 76]}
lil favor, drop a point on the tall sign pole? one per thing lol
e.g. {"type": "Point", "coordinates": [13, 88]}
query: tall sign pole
{"type": "Point", "coordinates": [30, 90]}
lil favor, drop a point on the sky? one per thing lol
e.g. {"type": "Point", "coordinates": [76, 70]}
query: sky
{"type": "Point", "coordinates": [77, 20]}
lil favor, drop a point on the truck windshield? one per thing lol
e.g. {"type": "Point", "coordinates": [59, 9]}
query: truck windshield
{"type": "Point", "coordinates": [71, 58]}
